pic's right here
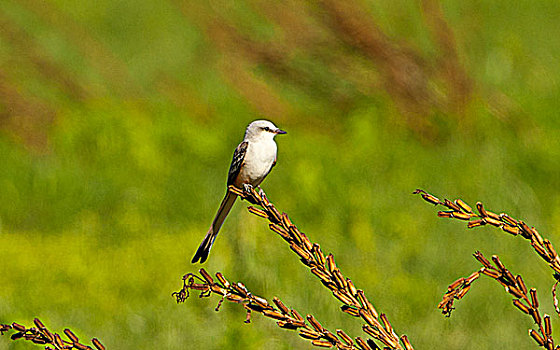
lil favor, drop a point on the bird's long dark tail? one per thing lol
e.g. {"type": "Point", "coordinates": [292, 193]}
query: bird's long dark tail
{"type": "Point", "coordinates": [204, 248]}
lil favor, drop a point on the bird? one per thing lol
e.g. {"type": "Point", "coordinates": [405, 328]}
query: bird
{"type": "Point", "coordinates": [252, 161]}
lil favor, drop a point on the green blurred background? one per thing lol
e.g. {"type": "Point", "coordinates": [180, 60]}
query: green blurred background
{"type": "Point", "coordinates": [118, 120]}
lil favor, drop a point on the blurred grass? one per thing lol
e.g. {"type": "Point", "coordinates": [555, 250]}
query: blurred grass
{"type": "Point", "coordinates": [118, 122]}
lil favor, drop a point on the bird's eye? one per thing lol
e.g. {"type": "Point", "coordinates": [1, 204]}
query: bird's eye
{"type": "Point", "coordinates": [266, 128]}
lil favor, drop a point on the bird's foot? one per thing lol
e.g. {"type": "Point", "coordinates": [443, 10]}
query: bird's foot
{"type": "Point", "coordinates": [247, 190]}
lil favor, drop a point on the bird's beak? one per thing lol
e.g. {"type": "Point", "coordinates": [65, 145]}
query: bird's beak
{"type": "Point", "coordinates": [279, 132]}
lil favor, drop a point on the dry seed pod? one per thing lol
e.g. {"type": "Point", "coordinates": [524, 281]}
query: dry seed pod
{"type": "Point", "coordinates": [386, 324]}
{"type": "Point", "coordinates": [16, 336]}
{"type": "Point", "coordinates": [451, 205]}
{"type": "Point", "coordinates": [472, 277]}
{"type": "Point", "coordinates": [534, 300]}
{"type": "Point", "coordinates": [476, 223]}
{"type": "Point", "coordinates": [206, 276]}
{"type": "Point", "coordinates": [58, 341]}
{"type": "Point", "coordinates": [460, 215]}
{"type": "Point", "coordinates": [464, 206]}
{"type": "Point", "coordinates": [362, 343]}
{"type": "Point", "coordinates": [350, 310]}
{"type": "Point", "coordinates": [288, 324]}
{"type": "Point", "coordinates": [462, 292]}
{"type": "Point", "coordinates": [322, 275]}
{"type": "Point", "coordinates": [478, 256]}
{"type": "Point", "coordinates": [261, 301]}
{"type": "Point", "coordinates": [550, 248]}
{"type": "Point", "coordinates": [81, 346]}
{"type": "Point", "coordinates": [274, 314]}
{"type": "Point", "coordinates": [537, 337]}
{"type": "Point", "coordinates": [498, 263]}
{"type": "Point", "coordinates": [366, 304]}
{"type": "Point", "coordinates": [71, 336]}
{"type": "Point", "coordinates": [237, 299]}
{"type": "Point", "coordinates": [257, 212]}
{"type": "Point", "coordinates": [346, 338]}
{"type": "Point", "coordinates": [511, 229]}
{"type": "Point", "coordinates": [315, 323]}
{"type": "Point", "coordinates": [537, 236]}
{"type": "Point", "coordinates": [481, 209]}
{"type": "Point", "coordinates": [508, 219]}
{"type": "Point", "coordinates": [280, 305]}
{"type": "Point", "coordinates": [406, 342]}
{"type": "Point", "coordinates": [524, 308]}
{"type": "Point", "coordinates": [322, 343]}
{"type": "Point", "coordinates": [342, 297]}
{"type": "Point", "coordinates": [276, 217]}
{"type": "Point", "coordinates": [339, 279]}
{"type": "Point", "coordinates": [279, 230]}
{"type": "Point", "coordinates": [445, 214]}
{"type": "Point", "coordinates": [218, 290]}
{"type": "Point", "coordinates": [18, 327]}
{"type": "Point", "coordinates": [525, 230]}
{"type": "Point", "coordinates": [541, 251]}
{"type": "Point", "coordinates": [222, 280]}
{"type": "Point", "coordinates": [306, 242]}
{"type": "Point", "coordinates": [536, 316]}
{"type": "Point", "coordinates": [319, 254]}
{"type": "Point", "coordinates": [493, 222]}
{"type": "Point", "coordinates": [330, 336]}
{"type": "Point", "coordinates": [547, 325]}
{"type": "Point", "coordinates": [456, 284]}
{"type": "Point", "coordinates": [514, 291]}
{"type": "Point", "coordinates": [299, 251]}
{"type": "Point", "coordinates": [351, 288]}
{"type": "Point", "coordinates": [309, 334]}
{"type": "Point", "coordinates": [330, 263]}
{"type": "Point", "coordinates": [296, 315]}
{"type": "Point", "coordinates": [286, 221]}
{"type": "Point", "coordinates": [371, 331]}
{"type": "Point", "coordinates": [521, 284]}
{"type": "Point", "coordinates": [40, 341]}
{"type": "Point", "coordinates": [39, 324]}
{"type": "Point", "coordinates": [493, 215]}
{"type": "Point", "coordinates": [48, 335]}
{"type": "Point", "coordinates": [491, 273]}
{"type": "Point", "coordinates": [366, 316]}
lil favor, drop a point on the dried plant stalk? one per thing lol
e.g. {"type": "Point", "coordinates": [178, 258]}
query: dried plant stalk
{"type": "Point", "coordinates": [354, 301]}
{"type": "Point", "coordinates": [308, 328]}
{"type": "Point", "coordinates": [525, 301]}
{"type": "Point", "coordinates": [41, 335]}
{"type": "Point", "coordinates": [462, 211]}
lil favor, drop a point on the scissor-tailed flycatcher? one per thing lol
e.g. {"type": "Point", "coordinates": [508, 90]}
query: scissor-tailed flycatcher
{"type": "Point", "coordinates": [252, 161]}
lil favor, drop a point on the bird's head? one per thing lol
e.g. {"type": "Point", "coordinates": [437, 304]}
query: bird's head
{"type": "Point", "coordinates": [262, 129]}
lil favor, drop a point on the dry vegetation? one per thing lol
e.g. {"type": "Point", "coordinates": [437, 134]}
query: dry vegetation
{"type": "Point", "coordinates": [41, 335]}
{"type": "Point", "coordinates": [525, 300]}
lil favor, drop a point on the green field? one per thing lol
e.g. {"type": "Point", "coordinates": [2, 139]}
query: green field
{"type": "Point", "coordinates": [118, 120]}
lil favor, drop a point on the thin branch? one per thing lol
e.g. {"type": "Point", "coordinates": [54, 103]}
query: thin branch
{"type": "Point", "coordinates": [460, 210]}
{"type": "Point", "coordinates": [525, 300]}
{"type": "Point", "coordinates": [42, 336]}
{"type": "Point", "coordinates": [354, 301]}
{"type": "Point", "coordinates": [285, 318]}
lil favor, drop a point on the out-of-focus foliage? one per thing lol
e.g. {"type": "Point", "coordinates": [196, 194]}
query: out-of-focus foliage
{"type": "Point", "coordinates": [118, 120]}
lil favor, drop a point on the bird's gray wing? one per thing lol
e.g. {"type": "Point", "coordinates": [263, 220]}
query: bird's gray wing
{"type": "Point", "coordinates": [237, 162]}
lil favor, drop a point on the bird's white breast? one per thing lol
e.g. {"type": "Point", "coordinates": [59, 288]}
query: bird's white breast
{"type": "Point", "coordinates": [258, 160]}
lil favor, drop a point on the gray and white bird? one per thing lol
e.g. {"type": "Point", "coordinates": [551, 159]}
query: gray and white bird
{"type": "Point", "coordinates": [252, 160]}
